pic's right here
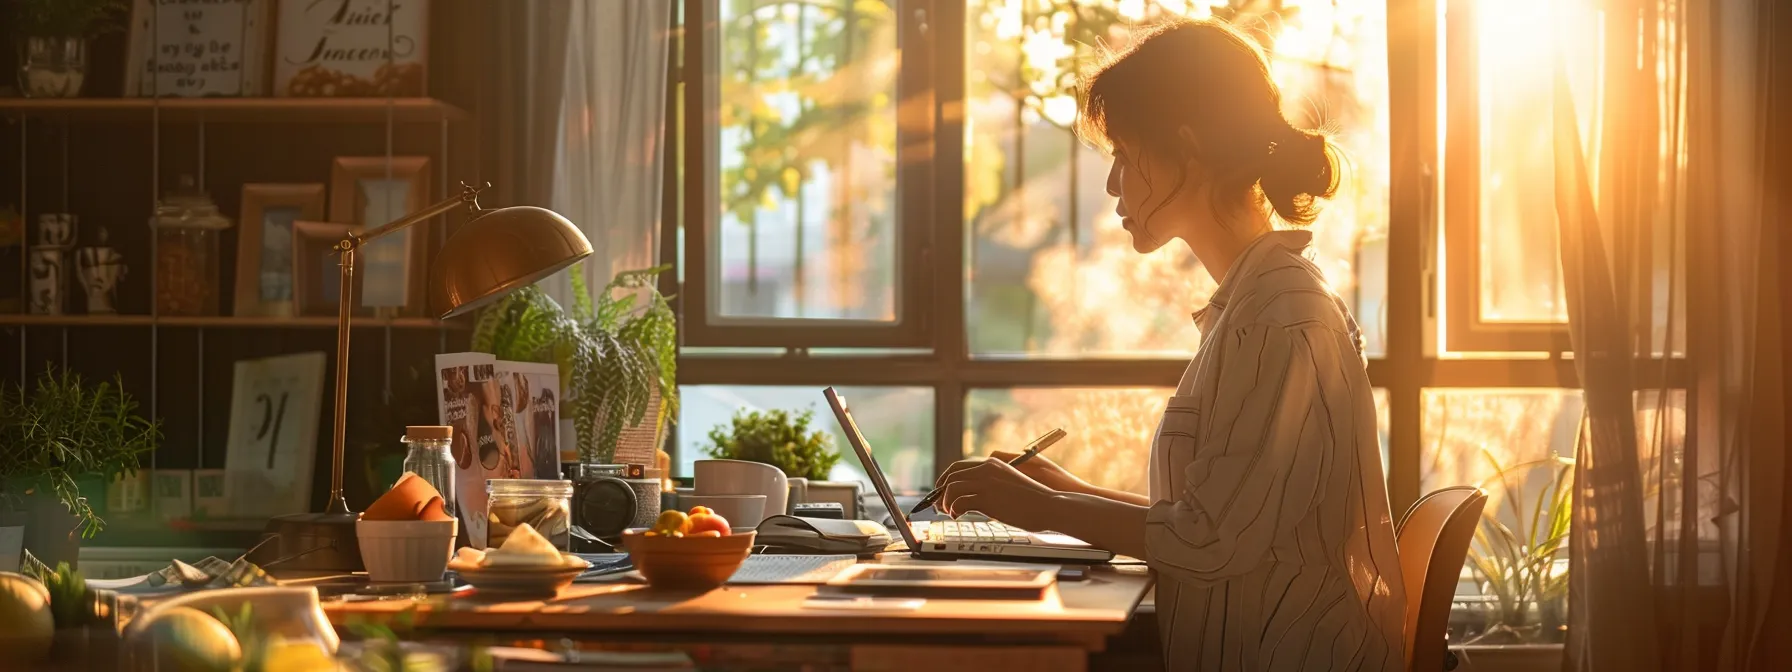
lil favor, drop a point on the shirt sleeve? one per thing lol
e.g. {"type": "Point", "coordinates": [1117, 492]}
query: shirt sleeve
{"type": "Point", "coordinates": [1261, 453]}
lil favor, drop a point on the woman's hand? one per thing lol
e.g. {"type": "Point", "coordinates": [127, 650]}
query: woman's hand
{"type": "Point", "coordinates": [995, 489]}
{"type": "Point", "coordinates": [1040, 469]}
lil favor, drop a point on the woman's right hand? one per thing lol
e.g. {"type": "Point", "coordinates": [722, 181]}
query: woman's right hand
{"type": "Point", "coordinates": [1040, 468]}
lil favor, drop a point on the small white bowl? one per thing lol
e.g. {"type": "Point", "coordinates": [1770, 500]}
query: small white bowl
{"type": "Point", "coordinates": [415, 551]}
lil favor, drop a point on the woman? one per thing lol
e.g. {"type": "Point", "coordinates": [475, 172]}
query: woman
{"type": "Point", "coordinates": [1267, 523]}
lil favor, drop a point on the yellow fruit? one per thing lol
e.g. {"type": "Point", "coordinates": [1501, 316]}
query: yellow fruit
{"type": "Point", "coordinates": [672, 521]}
{"type": "Point", "coordinates": [653, 533]}
{"type": "Point", "coordinates": [184, 638]}
{"type": "Point", "coordinates": [27, 629]}
{"type": "Point", "coordinates": [284, 654]}
{"type": "Point", "coordinates": [700, 509]}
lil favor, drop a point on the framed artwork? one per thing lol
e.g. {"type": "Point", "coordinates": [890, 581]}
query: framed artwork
{"type": "Point", "coordinates": [173, 492]}
{"type": "Point", "coordinates": [264, 268]}
{"type": "Point", "coordinates": [276, 404]}
{"type": "Point", "coordinates": [368, 192]}
{"type": "Point", "coordinates": [316, 270]}
{"type": "Point", "coordinates": [352, 48]}
{"type": "Point", "coordinates": [198, 48]}
{"type": "Point", "coordinates": [209, 494]}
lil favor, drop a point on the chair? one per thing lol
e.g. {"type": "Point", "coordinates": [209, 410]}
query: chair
{"type": "Point", "coordinates": [1433, 538]}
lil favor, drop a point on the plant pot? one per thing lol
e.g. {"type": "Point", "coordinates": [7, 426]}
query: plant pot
{"type": "Point", "coordinates": [12, 540]}
{"type": "Point", "coordinates": [52, 534]}
{"type": "Point", "coordinates": [639, 443]}
{"type": "Point", "coordinates": [52, 67]}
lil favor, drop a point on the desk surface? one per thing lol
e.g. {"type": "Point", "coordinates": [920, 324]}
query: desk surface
{"type": "Point", "coordinates": [1082, 612]}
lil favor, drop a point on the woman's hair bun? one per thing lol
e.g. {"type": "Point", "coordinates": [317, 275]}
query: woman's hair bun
{"type": "Point", "coordinates": [1301, 168]}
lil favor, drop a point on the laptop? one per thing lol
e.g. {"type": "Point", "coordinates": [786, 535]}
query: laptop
{"type": "Point", "coordinates": [952, 539]}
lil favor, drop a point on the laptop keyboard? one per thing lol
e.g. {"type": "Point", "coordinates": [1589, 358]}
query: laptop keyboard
{"type": "Point", "coordinates": [953, 531]}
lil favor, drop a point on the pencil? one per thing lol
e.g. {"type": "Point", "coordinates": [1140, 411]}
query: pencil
{"type": "Point", "coordinates": [1036, 447]}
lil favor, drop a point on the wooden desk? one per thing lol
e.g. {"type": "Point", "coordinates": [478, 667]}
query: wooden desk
{"type": "Point", "coordinates": [1057, 633]}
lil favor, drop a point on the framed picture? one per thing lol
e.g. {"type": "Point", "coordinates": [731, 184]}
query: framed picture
{"type": "Point", "coordinates": [316, 270]}
{"type": "Point", "coordinates": [264, 268]}
{"type": "Point", "coordinates": [276, 404]}
{"type": "Point", "coordinates": [173, 492]}
{"type": "Point", "coordinates": [368, 192]}
{"type": "Point", "coordinates": [352, 48]}
{"type": "Point", "coordinates": [198, 48]}
{"type": "Point", "coordinates": [210, 494]}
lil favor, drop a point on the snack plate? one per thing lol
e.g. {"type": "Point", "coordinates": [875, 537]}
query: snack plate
{"type": "Point", "coordinates": [520, 579]}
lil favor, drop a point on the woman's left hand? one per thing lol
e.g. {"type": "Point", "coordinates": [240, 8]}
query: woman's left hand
{"type": "Point", "coordinates": [995, 489]}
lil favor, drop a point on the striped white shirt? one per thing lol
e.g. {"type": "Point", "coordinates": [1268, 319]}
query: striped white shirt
{"type": "Point", "coordinates": [1269, 530]}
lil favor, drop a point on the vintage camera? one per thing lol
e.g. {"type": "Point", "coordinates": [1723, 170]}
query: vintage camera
{"type": "Point", "coordinates": [610, 498]}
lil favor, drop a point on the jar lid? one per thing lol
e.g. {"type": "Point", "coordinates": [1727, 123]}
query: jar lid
{"type": "Point", "coordinates": [428, 433]}
{"type": "Point", "coordinates": [188, 208]}
{"type": "Point", "coordinates": [537, 487]}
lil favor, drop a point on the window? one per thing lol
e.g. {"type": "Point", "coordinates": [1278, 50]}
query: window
{"type": "Point", "coordinates": [921, 220]}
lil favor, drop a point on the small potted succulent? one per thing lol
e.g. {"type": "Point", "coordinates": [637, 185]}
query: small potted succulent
{"type": "Point", "coordinates": [52, 41]}
{"type": "Point", "coordinates": [60, 442]}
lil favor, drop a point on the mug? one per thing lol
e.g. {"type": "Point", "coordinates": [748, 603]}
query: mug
{"type": "Point", "coordinates": [799, 494]}
{"type": "Point", "coordinates": [744, 512]}
{"type": "Point", "coordinates": [56, 229]}
{"type": "Point", "coordinates": [46, 280]}
{"type": "Point", "coordinates": [739, 477]}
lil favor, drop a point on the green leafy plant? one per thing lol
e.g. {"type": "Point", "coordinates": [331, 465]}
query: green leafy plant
{"type": "Point", "coordinates": [613, 354]}
{"type": "Point", "coordinates": [68, 18]}
{"type": "Point", "coordinates": [250, 637]}
{"type": "Point", "coordinates": [64, 429]}
{"type": "Point", "coordinates": [1516, 564]}
{"type": "Point", "coordinates": [777, 438]}
{"type": "Point", "coordinates": [70, 604]}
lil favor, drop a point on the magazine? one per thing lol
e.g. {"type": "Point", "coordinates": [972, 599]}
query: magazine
{"type": "Point", "coordinates": [504, 417]}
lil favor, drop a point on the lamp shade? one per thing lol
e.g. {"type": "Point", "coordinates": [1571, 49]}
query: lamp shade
{"type": "Point", "coordinates": [500, 251]}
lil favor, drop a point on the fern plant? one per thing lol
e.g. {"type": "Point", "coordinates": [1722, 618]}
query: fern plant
{"type": "Point", "coordinates": [63, 430]}
{"type": "Point", "coordinates": [612, 354]}
{"type": "Point", "coordinates": [1516, 564]}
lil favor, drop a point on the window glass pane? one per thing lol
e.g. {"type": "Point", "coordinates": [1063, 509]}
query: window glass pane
{"type": "Point", "coordinates": [1473, 437]}
{"type": "Point", "coordinates": [1521, 275]}
{"type": "Point", "coordinates": [806, 156]}
{"type": "Point", "coordinates": [897, 421]}
{"type": "Point", "coordinates": [1050, 271]}
{"type": "Point", "coordinates": [1110, 428]}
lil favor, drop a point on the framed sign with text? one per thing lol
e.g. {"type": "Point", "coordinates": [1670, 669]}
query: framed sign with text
{"type": "Point", "coordinates": [197, 48]}
{"type": "Point", "coordinates": [351, 48]}
{"type": "Point", "coordinates": [275, 406]}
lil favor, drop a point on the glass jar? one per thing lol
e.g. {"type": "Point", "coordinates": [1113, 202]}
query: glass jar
{"type": "Point", "coordinates": [427, 455]}
{"type": "Point", "coordinates": [187, 226]}
{"type": "Point", "coordinates": [545, 505]}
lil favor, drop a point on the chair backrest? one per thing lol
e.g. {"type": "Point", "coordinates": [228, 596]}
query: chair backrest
{"type": "Point", "coordinates": [1434, 538]}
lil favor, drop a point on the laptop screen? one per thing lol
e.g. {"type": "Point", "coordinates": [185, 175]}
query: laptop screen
{"type": "Point", "coordinates": [874, 472]}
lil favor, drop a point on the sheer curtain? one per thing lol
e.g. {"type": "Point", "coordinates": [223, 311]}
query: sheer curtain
{"type": "Point", "coordinates": [1676, 523]}
{"type": "Point", "coordinates": [608, 164]}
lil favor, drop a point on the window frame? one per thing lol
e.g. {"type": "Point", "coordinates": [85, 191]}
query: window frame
{"type": "Point", "coordinates": [1410, 365]}
{"type": "Point", "coordinates": [700, 322]}
{"type": "Point", "coordinates": [1466, 331]}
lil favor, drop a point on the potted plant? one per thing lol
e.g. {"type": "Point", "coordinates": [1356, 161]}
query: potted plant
{"type": "Point", "coordinates": [52, 40]}
{"type": "Point", "coordinates": [1517, 565]}
{"type": "Point", "coordinates": [617, 357]}
{"type": "Point", "coordinates": [781, 439]}
{"type": "Point", "coordinates": [55, 436]}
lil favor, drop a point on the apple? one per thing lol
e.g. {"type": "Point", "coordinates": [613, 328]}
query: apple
{"type": "Point", "coordinates": [709, 522]}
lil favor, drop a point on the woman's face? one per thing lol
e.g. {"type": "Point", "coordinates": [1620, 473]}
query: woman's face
{"type": "Point", "coordinates": [1148, 209]}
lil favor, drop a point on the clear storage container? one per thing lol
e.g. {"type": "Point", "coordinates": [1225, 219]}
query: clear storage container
{"type": "Point", "coordinates": [427, 456]}
{"type": "Point", "coordinates": [545, 505]}
{"type": "Point", "coordinates": [187, 227]}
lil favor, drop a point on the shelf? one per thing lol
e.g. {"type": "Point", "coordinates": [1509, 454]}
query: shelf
{"type": "Point", "coordinates": [240, 110]}
{"type": "Point", "coordinates": [227, 322]}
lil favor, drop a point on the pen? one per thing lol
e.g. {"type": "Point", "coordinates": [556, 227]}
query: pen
{"type": "Point", "coordinates": [1036, 447]}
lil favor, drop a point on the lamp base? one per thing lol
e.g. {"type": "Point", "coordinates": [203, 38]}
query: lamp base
{"type": "Point", "coordinates": [313, 542]}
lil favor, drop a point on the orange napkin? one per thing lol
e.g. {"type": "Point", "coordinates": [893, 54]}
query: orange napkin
{"type": "Point", "coordinates": [411, 498]}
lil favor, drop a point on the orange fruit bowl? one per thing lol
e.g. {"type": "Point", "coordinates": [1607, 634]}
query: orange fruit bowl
{"type": "Point", "coordinates": [697, 563]}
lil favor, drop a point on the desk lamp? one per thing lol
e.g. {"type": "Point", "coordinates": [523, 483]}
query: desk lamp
{"type": "Point", "coordinates": [496, 252]}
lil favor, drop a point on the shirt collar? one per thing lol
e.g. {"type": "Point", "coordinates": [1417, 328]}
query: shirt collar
{"type": "Point", "coordinates": [1297, 241]}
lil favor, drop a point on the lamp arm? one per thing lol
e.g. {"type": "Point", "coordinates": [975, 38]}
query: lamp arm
{"type": "Point", "coordinates": [469, 196]}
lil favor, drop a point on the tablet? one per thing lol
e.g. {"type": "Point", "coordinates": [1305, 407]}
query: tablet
{"type": "Point", "coordinates": [947, 581]}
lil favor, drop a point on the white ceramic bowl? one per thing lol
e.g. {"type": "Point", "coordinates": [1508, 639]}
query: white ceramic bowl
{"type": "Point", "coordinates": [406, 550]}
{"type": "Point", "coordinates": [744, 512]}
